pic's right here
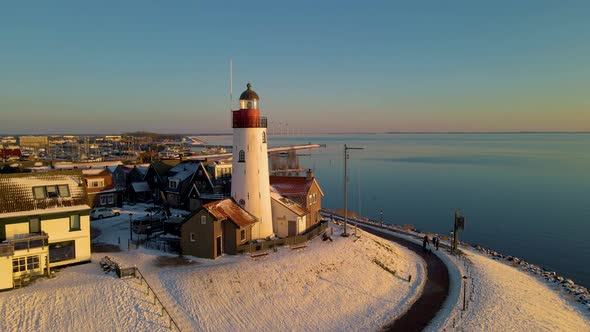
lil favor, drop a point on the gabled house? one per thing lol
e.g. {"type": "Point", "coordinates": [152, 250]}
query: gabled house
{"type": "Point", "coordinates": [289, 217]}
{"type": "Point", "coordinates": [179, 182]}
{"type": "Point", "coordinates": [138, 189]}
{"type": "Point", "coordinates": [210, 184]}
{"type": "Point", "coordinates": [304, 190]}
{"type": "Point", "coordinates": [44, 223]}
{"type": "Point", "coordinates": [216, 228]}
{"type": "Point", "coordinates": [157, 177]}
{"type": "Point", "coordinates": [101, 189]}
{"type": "Point", "coordinates": [119, 176]}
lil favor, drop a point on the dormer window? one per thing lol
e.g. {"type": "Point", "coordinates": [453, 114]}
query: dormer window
{"type": "Point", "coordinates": [55, 191]}
{"type": "Point", "coordinates": [173, 184]}
{"type": "Point", "coordinates": [95, 183]}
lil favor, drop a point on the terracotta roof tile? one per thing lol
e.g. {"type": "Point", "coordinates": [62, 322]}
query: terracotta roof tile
{"type": "Point", "coordinates": [228, 209]}
{"type": "Point", "coordinates": [291, 185]}
{"type": "Point", "coordinates": [16, 191]}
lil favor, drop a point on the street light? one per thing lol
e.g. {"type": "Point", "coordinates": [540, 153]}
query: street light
{"type": "Point", "coordinates": [346, 148]}
{"type": "Point", "coordinates": [130, 229]}
{"type": "Point", "coordinates": [381, 212]}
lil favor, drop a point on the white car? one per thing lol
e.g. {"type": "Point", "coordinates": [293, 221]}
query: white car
{"type": "Point", "coordinates": [104, 212]}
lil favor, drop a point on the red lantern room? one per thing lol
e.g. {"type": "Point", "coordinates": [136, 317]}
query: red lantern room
{"type": "Point", "coordinates": [248, 116]}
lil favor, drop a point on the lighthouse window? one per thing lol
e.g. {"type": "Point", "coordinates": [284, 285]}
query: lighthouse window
{"type": "Point", "coordinates": [242, 156]}
{"type": "Point", "coordinates": [263, 137]}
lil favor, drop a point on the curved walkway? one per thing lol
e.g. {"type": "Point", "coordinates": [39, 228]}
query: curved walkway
{"type": "Point", "coordinates": [436, 288]}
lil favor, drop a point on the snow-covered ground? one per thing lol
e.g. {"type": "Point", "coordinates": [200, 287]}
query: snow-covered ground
{"type": "Point", "coordinates": [503, 298]}
{"type": "Point", "coordinates": [326, 286]}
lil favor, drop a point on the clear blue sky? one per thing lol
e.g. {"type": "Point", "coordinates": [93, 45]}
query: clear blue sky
{"type": "Point", "coordinates": [320, 66]}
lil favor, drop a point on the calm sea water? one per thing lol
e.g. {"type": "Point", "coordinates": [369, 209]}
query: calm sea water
{"type": "Point", "coordinates": [526, 195]}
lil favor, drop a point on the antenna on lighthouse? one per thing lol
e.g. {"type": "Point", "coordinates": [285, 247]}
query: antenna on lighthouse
{"type": "Point", "coordinates": [231, 89]}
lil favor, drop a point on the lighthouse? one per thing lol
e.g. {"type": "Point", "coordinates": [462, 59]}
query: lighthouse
{"type": "Point", "coordinates": [250, 186]}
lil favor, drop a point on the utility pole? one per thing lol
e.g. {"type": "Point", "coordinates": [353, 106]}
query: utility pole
{"type": "Point", "coordinates": [346, 148]}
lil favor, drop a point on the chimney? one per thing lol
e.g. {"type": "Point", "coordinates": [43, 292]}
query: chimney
{"type": "Point", "coordinates": [309, 174]}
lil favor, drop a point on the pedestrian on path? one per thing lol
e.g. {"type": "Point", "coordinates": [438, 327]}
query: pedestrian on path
{"type": "Point", "coordinates": [437, 239]}
{"type": "Point", "coordinates": [425, 242]}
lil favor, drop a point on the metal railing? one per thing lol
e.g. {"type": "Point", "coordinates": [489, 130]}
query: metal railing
{"type": "Point", "coordinates": [291, 240]}
{"type": "Point", "coordinates": [6, 249]}
{"type": "Point", "coordinates": [249, 122]}
{"type": "Point", "coordinates": [142, 279]}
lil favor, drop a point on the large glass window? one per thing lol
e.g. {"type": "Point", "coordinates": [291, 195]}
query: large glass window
{"type": "Point", "coordinates": [75, 222]}
{"type": "Point", "coordinates": [52, 191]}
{"type": "Point", "coordinates": [263, 137]}
{"type": "Point", "coordinates": [64, 191]}
{"type": "Point", "coordinates": [43, 192]}
{"type": "Point", "coordinates": [22, 264]}
{"type": "Point", "coordinates": [34, 225]}
{"type": "Point", "coordinates": [62, 251]}
{"type": "Point", "coordinates": [39, 192]}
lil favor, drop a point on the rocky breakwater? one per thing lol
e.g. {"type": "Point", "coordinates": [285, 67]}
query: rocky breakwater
{"type": "Point", "coordinates": [580, 293]}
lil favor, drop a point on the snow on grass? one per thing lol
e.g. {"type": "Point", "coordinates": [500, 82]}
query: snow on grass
{"type": "Point", "coordinates": [339, 285]}
{"type": "Point", "coordinates": [506, 299]}
{"type": "Point", "coordinates": [80, 298]}
{"type": "Point", "coordinates": [326, 286]}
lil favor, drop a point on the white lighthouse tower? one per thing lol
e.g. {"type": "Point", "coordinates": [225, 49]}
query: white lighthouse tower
{"type": "Point", "coordinates": [250, 179]}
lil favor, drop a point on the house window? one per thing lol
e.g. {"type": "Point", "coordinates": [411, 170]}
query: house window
{"type": "Point", "coordinates": [263, 137]}
{"type": "Point", "coordinates": [22, 264]}
{"type": "Point", "coordinates": [34, 225]}
{"type": "Point", "coordinates": [44, 192]}
{"type": "Point", "coordinates": [243, 235]}
{"type": "Point", "coordinates": [62, 251]}
{"type": "Point", "coordinates": [64, 190]}
{"type": "Point", "coordinates": [75, 222]}
{"type": "Point", "coordinates": [309, 199]}
{"type": "Point", "coordinates": [203, 220]}
{"type": "Point", "coordinates": [173, 184]}
{"type": "Point", "coordinates": [96, 183]}
{"type": "Point", "coordinates": [241, 156]}
{"type": "Point", "coordinates": [315, 197]}
{"type": "Point", "coordinates": [192, 237]}
{"type": "Point", "coordinates": [107, 199]}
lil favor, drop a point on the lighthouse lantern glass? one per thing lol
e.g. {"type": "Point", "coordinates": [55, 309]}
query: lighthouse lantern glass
{"type": "Point", "coordinates": [248, 104]}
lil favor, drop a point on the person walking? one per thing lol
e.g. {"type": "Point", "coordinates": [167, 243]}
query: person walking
{"type": "Point", "coordinates": [437, 239]}
{"type": "Point", "coordinates": [425, 242]}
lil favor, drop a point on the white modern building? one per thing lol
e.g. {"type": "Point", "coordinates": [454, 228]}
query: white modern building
{"type": "Point", "coordinates": [250, 176]}
{"type": "Point", "coordinates": [44, 223]}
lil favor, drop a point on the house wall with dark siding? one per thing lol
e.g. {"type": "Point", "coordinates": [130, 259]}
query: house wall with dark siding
{"type": "Point", "coordinates": [205, 235]}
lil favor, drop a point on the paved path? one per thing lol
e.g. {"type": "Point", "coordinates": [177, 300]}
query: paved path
{"type": "Point", "coordinates": [435, 290]}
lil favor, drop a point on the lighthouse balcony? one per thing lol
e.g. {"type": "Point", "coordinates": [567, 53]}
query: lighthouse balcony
{"type": "Point", "coordinates": [241, 121]}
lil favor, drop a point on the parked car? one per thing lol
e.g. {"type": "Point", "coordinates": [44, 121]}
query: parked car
{"type": "Point", "coordinates": [104, 212]}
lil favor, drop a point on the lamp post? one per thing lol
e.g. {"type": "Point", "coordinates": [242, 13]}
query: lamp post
{"type": "Point", "coordinates": [381, 212]}
{"type": "Point", "coordinates": [130, 228]}
{"type": "Point", "coordinates": [464, 291]}
{"type": "Point", "coordinates": [346, 148]}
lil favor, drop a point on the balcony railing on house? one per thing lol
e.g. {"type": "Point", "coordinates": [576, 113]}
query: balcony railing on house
{"type": "Point", "coordinates": [28, 241]}
{"type": "Point", "coordinates": [6, 249]}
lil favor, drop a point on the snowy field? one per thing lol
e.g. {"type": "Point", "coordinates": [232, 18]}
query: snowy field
{"type": "Point", "coordinates": [325, 286]}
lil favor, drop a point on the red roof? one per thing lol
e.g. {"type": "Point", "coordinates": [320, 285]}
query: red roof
{"type": "Point", "coordinates": [10, 152]}
{"type": "Point", "coordinates": [291, 185]}
{"type": "Point", "coordinates": [227, 209]}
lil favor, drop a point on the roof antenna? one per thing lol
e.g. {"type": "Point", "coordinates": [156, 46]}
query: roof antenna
{"type": "Point", "coordinates": [231, 89]}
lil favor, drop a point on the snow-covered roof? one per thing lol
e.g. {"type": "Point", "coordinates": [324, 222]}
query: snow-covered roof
{"type": "Point", "coordinates": [227, 209]}
{"type": "Point", "coordinates": [140, 187]}
{"type": "Point", "coordinates": [16, 193]}
{"type": "Point", "coordinates": [104, 164]}
{"type": "Point", "coordinates": [183, 170]}
{"type": "Point", "coordinates": [92, 171]}
{"type": "Point", "coordinates": [289, 204]}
